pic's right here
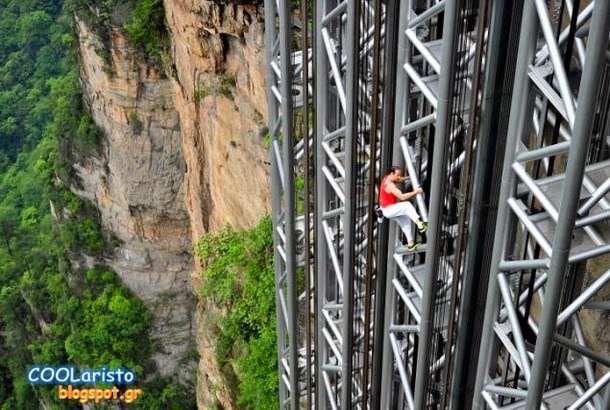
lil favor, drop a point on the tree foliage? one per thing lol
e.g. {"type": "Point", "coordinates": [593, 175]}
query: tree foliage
{"type": "Point", "coordinates": [147, 26]}
{"type": "Point", "coordinates": [32, 51]}
{"type": "Point", "coordinates": [239, 277]}
{"type": "Point", "coordinates": [53, 309]}
{"type": "Point", "coordinates": [143, 21]}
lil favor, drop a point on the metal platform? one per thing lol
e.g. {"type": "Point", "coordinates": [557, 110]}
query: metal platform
{"type": "Point", "coordinates": [592, 235]}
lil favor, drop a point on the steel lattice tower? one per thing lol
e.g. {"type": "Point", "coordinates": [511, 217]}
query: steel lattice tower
{"type": "Point", "coordinates": [500, 111]}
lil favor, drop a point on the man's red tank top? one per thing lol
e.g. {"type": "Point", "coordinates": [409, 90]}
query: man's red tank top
{"type": "Point", "coordinates": [385, 199]}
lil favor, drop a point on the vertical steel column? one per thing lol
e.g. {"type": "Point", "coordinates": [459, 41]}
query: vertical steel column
{"type": "Point", "coordinates": [276, 200]}
{"type": "Point", "coordinates": [321, 267]}
{"type": "Point", "coordinates": [309, 263]}
{"type": "Point", "coordinates": [279, 53]}
{"type": "Point", "coordinates": [344, 46]}
{"type": "Point", "coordinates": [368, 376]}
{"type": "Point", "coordinates": [517, 122]}
{"type": "Point", "coordinates": [349, 220]}
{"type": "Point", "coordinates": [335, 139]}
{"type": "Point", "coordinates": [437, 188]}
{"type": "Point", "coordinates": [476, 264]}
{"type": "Point", "coordinates": [581, 135]}
{"type": "Point", "coordinates": [289, 195]}
{"type": "Point", "coordinates": [390, 140]}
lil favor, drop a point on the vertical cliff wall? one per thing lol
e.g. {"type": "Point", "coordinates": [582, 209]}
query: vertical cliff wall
{"type": "Point", "coordinates": [219, 56]}
{"type": "Point", "coordinates": [183, 155]}
{"type": "Point", "coordinates": [137, 182]}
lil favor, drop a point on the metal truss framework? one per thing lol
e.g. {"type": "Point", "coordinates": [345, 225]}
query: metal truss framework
{"type": "Point", "coordinates": [344, 41]}
{"type": "Point", "coordinates": [417, 311]}
{"type": "Point", "coordinates": [411, 303]}
{"type": "Point", "coordinates": [280, 74]}
{"type": "Point", "coordinates": [552, 218]}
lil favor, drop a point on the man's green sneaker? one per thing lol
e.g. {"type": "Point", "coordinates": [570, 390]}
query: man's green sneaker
{"type": "Point", "coordinates": [423, 227]}
{"type": "Point", "coordinates": [412, 247]}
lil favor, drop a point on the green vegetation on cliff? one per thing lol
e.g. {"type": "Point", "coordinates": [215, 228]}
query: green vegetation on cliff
{"type": "Point", "coordinates": [239, 278]}
{"type": "Point", "coordinates": [56, 306]}
{"type": "Point", "coordinates": [142, 20]}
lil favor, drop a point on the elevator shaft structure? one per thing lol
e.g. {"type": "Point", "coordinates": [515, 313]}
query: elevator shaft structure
{"type": "Point", "coordinates": [500, 111]}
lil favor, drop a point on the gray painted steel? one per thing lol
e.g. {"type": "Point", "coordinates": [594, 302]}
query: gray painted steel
{"type": "Point", "coordinates": [550, 217]}
{"type": "Point", "coordinates": [575, 169]}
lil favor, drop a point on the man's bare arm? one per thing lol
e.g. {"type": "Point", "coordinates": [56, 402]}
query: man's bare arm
{"type": "Point", "coordinates": [404, 196]}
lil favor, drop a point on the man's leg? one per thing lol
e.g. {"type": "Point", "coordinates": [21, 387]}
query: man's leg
{"type": "Point", "coordinates": [407, 208]}
{"type": "Point", "coordinates": [405, 225]}
{"type": "Point", "coordinates": [410, 211]}
{"type": "Point", "coordinates": [397, 213]}
{"type": "Point", "coordinates": [403, 213]}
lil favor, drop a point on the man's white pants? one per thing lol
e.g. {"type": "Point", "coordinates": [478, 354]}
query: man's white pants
{"type": "Point", "coordinates": [403, 213]}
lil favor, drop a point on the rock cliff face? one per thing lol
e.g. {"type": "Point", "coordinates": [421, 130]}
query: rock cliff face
{"type": "Point", "coordinates": [596, 322]}
{"type": "Point", "coordinates": [220, 63]}
{"type": "Point", "coordinates": [219, 55]}
{"type": "Point", "coordinates": [137, 182]}
{"type": "Point", "coordinates": [182, 157]}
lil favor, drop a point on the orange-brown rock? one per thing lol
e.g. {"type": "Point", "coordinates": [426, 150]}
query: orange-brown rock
{"type": "Point", "coordinates": [183, 155]}
{"type": "Point", "coordinates": [219, 55]}
{"type": "Point", "coordinates": [223, 145]}
{"type": "Point", "coordinates": [137, 183]}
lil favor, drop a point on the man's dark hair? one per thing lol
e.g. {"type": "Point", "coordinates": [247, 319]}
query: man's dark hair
{"type": "Point", "coordinates": [393, 169]}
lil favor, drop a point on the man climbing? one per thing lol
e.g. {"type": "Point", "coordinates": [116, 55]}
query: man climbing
{"type": "Point", "coordinates": [389, 194]}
